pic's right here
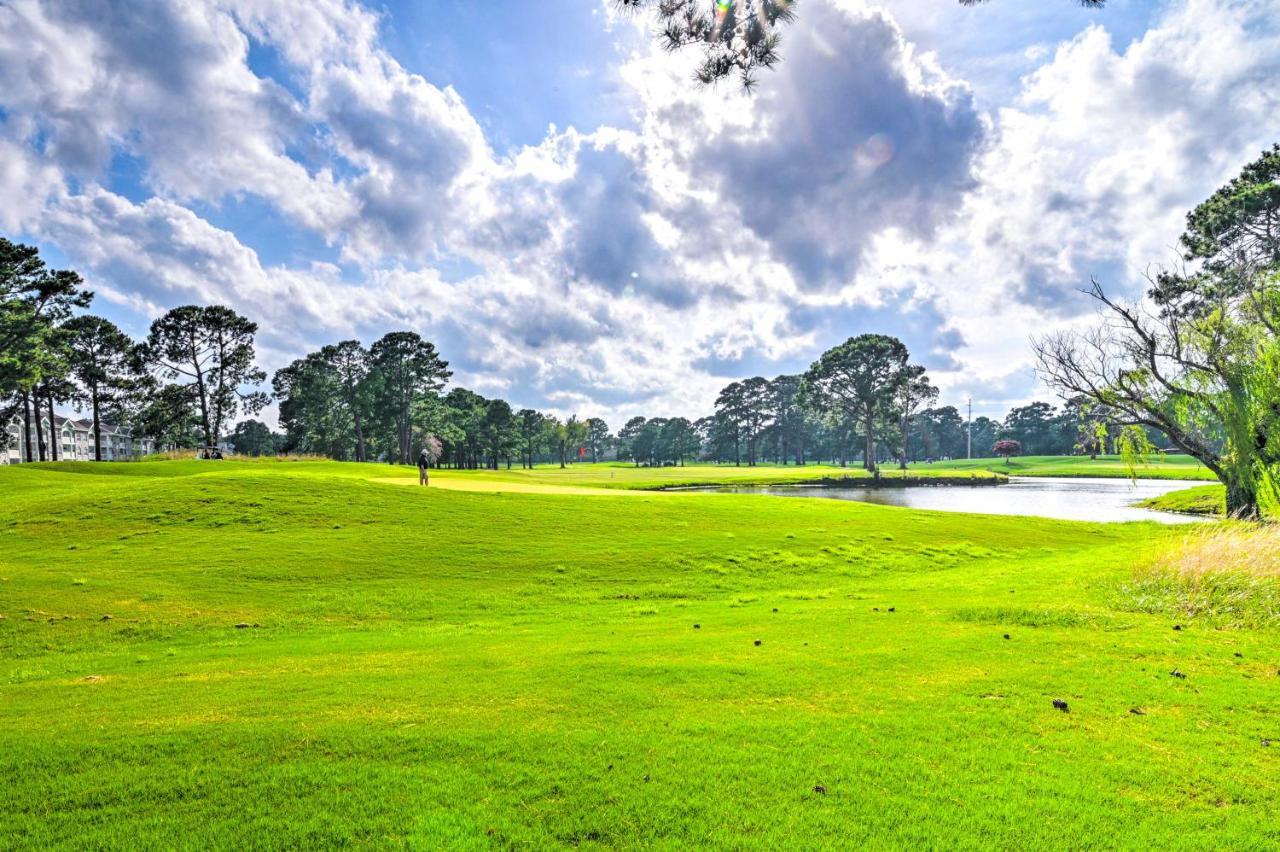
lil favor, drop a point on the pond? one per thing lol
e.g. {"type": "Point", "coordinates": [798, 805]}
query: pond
{"type": "Point", "coordinates": [1107, 500]}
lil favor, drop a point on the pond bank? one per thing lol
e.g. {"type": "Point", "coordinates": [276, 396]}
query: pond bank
{"type": "Point", "coordinates": [969, 480]}
{"type": "Point", "coordinates": [1204, 500]}
{"type": "Point", "coordinates": [1098, 500]}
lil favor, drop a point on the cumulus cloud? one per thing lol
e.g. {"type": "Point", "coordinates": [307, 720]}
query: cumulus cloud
{"type": "Point", "coordinates": [367, 154]}
{"type": "Point", "coordinates": [1107, 148]}
{"type": "Point", "coordinates": [622, 269]}
{"type": "Point", "coordinates": [855, 135]}
{"type": "Point", "coordinates": [163, 81]}
{"type": "Point", "coordinates": [1089, 173]}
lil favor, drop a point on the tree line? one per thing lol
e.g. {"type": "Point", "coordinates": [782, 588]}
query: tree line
{"type": "Point", "coordinates": [388, 401]}
{"type": "Point", "coordinates": [192, 375]}
{"type": "Point", "coordinates": [861, 402]}
{"type": "Point", "coordinates": [195, 373]}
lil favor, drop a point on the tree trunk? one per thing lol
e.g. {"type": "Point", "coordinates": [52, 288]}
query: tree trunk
{"type": "Point", "coordinates": [55, 434]}
{"type": "Point", "coordinates": [870, 453]}
{"type": "Point", "coordinates": [204, 402]}
{"type": "Point", "coordinates": [1242, 501]}
{"type": "Point", "coordinates": [97, 427]}
{"type": "Point", "coordinates": [26, 425]}
{"type": "Point", "coordinates": [35, 404]}
{"type": "Point", "coordinates": [902, 463]}
{"type": "Point", "coordinates": [359, 435]}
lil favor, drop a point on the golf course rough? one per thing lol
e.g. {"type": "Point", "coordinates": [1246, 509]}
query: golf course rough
{"type": "Point", "coordinates": [296, 655]}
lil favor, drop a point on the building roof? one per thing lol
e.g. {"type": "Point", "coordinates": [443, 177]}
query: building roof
{"type": "Point", "coordinates": [81, 425]}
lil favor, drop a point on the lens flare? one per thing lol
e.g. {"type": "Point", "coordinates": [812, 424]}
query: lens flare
{"type": "Point", "coordinates": [874, 153]}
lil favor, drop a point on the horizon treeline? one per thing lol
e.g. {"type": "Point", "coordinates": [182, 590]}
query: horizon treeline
{"type": "Point", "coordinates": [195, 373]}
{"type": "Point", "coordinates": [385, 401]}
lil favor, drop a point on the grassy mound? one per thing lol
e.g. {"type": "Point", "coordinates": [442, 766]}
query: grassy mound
{"type": "Point", "coordinates": [290, 654]}
{"type": "Point", "coordinates": [1201, 500]}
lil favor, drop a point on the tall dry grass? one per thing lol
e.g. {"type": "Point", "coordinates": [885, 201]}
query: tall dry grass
{"type": "Point", "coordinates": [170, 455]}
{"type": "Point", "coordinates": [1227, 575]}
{"type": "Point", "coordinates": [1248, 549]}
{"type": "Point", "coordinates": [189, 455]}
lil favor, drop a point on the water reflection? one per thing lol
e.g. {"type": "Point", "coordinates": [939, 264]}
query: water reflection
{"type": "Point", "coordinates": [1067, 499]}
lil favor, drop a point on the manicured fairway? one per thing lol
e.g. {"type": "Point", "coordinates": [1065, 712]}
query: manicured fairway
{"type": "Point", "coordinates": [427, 667]}
{"type": "Point", "coordinates": [616, 475]}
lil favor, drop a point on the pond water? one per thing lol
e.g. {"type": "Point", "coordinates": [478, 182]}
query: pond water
{"type": "Point", "coordinates": [1067, 499]}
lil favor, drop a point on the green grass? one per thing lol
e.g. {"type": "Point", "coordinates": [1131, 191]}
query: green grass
{"type": "Point", "coordinates": [426, 667]}
{"type": "Point", "coordinates": [1228, 600]}
{"type": "Point", "coordinates": [622, 475]}
{"type": "Point", "coordinates": [1201, 500]}
{"type": "Point", "coordinates": [1114, 467]}
{"type": "Point", "coordinates": [627, 476]}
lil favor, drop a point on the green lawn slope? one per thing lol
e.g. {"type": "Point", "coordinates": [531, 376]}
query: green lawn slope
{"type": "Point", "coordinates": [1201, 500]}
{"type": "Point", "coordinates": [198, 655]}
{"type": "Point", "coordinates": [619, 475]}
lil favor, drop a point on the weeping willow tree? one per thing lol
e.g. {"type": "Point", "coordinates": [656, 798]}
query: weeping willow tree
{"type": "Point", "coordinates": [1253, 425]}
{"type": "Point", "coordinates": [1200, 360]}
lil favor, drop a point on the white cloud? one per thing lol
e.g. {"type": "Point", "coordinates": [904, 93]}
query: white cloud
{"type": "Point", "coordinates": [161, 81]}
{"type": "Point", "coordinates": [625, 270]}
{"type": "Point", "coordinates": [414, 146]}
{"type": "Point", "coordinates": [1092, 171]}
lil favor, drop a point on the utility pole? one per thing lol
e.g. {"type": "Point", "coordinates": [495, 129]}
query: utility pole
{"type": "Point", "coordinates": [969, 430]}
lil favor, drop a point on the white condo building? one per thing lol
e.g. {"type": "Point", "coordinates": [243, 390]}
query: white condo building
{"type": "Point", "coordinates": [74, 439]}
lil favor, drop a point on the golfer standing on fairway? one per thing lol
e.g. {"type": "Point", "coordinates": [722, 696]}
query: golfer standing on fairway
{"type": "Point", "coordinates": [424, 459]}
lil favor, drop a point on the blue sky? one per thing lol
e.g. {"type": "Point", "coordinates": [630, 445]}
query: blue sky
{"type": "Point", "coordinates": [562, 62]}
{"type": "Point", "coordinates": [544, 193]}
